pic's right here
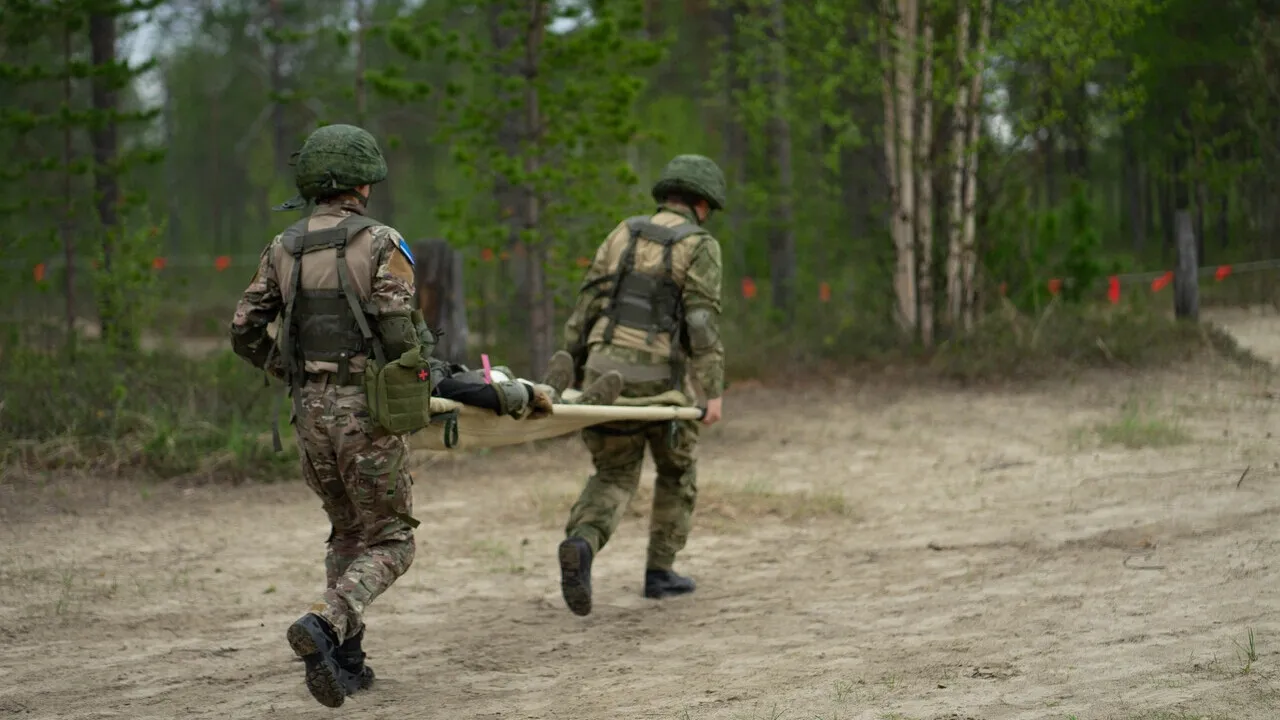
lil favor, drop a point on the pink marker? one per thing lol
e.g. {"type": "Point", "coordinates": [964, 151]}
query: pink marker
{"type": "Point", "coordinates": [488, 371]}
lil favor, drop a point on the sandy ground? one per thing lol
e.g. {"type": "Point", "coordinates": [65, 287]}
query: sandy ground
{"type": "Point", "coordinates": [863, 550]}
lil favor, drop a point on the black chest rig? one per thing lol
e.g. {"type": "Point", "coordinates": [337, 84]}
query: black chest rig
{"type": "Point", "coordinates": [650, 302]}
{"type": "Point", "coordinates": [325, 325]}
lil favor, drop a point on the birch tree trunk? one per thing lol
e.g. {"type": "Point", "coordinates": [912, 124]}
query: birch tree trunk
{"type": "Point", "coordinates": [899, 46]}
{"type": "Point", "coordinates": [970, 256]}
{"type": "Point", "coordinates": [955, 225]}
{"type": "Point", "coordinates": [887, 35]}
{"type": "Point", "coordinates": [924, 180]}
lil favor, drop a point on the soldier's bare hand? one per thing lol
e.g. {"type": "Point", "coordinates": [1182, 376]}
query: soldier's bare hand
{"type": "Point", "coordinates": [713, 412]}
{"type": "Point", "coordinates": [542, 406]}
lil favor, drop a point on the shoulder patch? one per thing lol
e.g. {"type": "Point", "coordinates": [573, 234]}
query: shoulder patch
{"type": "Point", "coordinates": [404, 248]}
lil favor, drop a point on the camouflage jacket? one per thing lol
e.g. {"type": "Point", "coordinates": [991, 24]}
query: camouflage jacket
{"type": "Point", "coordinates": [699, 273]}
{"type": "Point", "coordinates": [386, 286]}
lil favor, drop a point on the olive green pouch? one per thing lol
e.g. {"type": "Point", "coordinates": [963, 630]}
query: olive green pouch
{"type": "Point", "coordinates": [399, 393]}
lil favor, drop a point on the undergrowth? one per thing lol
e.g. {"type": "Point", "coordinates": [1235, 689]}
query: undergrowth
{"type": "Point", "coordinates": [99, 409]}
{"type": "Point", "coordinates": [1008, 344]}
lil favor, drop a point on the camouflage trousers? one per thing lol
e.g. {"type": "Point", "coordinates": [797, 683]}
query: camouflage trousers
{"type": "Point", "coordinates": [359, 472]}
{"type": "Point", "coordinates": [618, 459]}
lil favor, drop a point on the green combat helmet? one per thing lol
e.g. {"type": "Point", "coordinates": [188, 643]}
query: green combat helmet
{"type": "Point", "coordinates": [335, 158]}
{"type": "Point", "coordinates": [694, 174]}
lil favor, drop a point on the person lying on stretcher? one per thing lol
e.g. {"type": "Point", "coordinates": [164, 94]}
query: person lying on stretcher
{"type": "Point", "coordinates": [509, 395]}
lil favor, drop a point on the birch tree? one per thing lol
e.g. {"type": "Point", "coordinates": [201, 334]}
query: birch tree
{"type": "Point", "coordinates": [924, 178]}
{"type": "Point", "coordinates": [897, 54]}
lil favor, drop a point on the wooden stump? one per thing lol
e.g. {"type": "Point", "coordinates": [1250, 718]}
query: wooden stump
{"type": "Point", "coordinates": [1186, 281]}
{"type": "Point", "coordinates": [440, 297]}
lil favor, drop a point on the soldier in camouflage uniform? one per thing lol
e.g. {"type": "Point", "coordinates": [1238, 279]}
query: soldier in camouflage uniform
{"type": "Point", "coordinates": [345, 285]}
{"type": "Point", "coordinates": [649, 309]}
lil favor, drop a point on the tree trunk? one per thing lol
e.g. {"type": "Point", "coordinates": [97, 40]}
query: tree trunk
{"type": "Point", "coordinates": [438, 280]}
{"type": "Point", "coordinates": [782, 239]}
{"type": "Point", "coordinates": [1224, 218]}
{"type": "Point", "coordinates": [68, 210]}
{"type": "Point", "coordinates": [278, 134]}
{"type": "Point", "coordinates": [735, 132]}
{"type": "Point", "coordinates": [1202, 205]}
{"type": "Point", "coordinates": [924, 180]}
{"type": "Point", "coordinates": [102, 40]}
{"type": "Point", "coordinates": [899, 53]}
{"type": "Point", "coordinates": [971, 168]}
{"type": "Point", "coordinates": [955, 226]}
{"type": "Point", "coordinates": [541, 310]}
{"type": "Point", "coordinates": [362, 100]}
{"type": "Point", "coordinates": [506, 195]}
{"type": "Point", "coordinates": [1133, 184]}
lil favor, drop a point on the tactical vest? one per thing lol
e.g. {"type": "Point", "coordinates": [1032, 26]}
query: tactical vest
{"type": "Point", "coordinates": [650, 303]}
{"type": "Point", "coordinates": [327, 325]}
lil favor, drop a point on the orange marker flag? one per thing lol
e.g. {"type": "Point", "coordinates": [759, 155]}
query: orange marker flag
{"type": "Point", "coordinates": [748, 288]}
{"type": "Point", "coordinates": [1158, 284]}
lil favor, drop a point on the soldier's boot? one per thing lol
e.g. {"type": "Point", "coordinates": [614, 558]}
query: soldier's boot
{"type": "Point", "coordinates": [316, 643]}
{"type": "Point", "coordinates": [659, 584]}
{"type": "Point", "coordinates": [603, 391]}
{"type": "Point", "coordinates": [575, 575]}
{"type": "Point", "coordinates": [350, 658]}
{"type": "Point", "coordinates": [560, 372]}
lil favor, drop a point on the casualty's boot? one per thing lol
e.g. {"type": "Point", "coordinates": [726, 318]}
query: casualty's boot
{"type": "Point", "coordinates": [560, 372]}
{"type": "Point", "coordinates": [665, 583]}
{"type": "Point", "coordinates": [315, 642]}
{"type": "Point", "coordinates": [575, 575]}
{"type": "Point", "coordinates": [350, 658]}
{"type": "Point", "coordinates": [603, 391]}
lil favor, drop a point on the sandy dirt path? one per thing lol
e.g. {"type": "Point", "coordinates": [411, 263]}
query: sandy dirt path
{"type": "Point", "coordinates": [863, 550]}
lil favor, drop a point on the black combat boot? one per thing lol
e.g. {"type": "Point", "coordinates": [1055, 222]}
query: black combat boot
{"type": "Point", "coordinates": [575, 575]}
{"type": "Point", "coordinates": [350, 658]}
{"type": "Point", "coordinates": [315, 642]}
{"type": "Point", "coordinates": [665, 583]}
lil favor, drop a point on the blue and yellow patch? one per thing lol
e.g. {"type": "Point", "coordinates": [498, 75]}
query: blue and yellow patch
{"type": "Point", "coordinates": [404, 248]}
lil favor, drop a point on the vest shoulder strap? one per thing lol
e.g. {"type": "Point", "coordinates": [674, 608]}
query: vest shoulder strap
{"type": "Point", "coordinates": [641, 225]}
{"type": "Point", "coordinates": [297, 240]}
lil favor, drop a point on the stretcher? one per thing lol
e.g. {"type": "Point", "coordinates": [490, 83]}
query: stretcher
{"type": "Point", "coordinates": [455, 426]}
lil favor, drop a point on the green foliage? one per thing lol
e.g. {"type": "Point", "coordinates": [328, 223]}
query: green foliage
{"type": "Point", "coordinates": [106, 409]}
{"type": "Point", "coordinates": [1031, 247]}
{"type": "Point", "coordinates": [126, 284]}
{"type": "Point", "coordinates": [1012, 345]}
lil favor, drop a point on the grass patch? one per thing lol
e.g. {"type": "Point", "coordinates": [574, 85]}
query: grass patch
{"type": "Point", "coordinates": [1009, 344]}
{"type": "Point", "coordinates": [1136, 429]}
{"type": "Point", "coordinates": [499, 558]}
{"type": "Point", "coordinates": [728, 505]}
{"type": "Point", "coordinates": [157, 412]}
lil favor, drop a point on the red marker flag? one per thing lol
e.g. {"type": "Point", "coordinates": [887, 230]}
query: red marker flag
{"type": "Point", "coordinates": [1158, 284]}
{"type": "Point", "coordinates": [1113, 290]}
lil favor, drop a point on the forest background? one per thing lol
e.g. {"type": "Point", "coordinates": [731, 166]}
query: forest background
{"type": "Point", "coordinates": [957, 181]}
